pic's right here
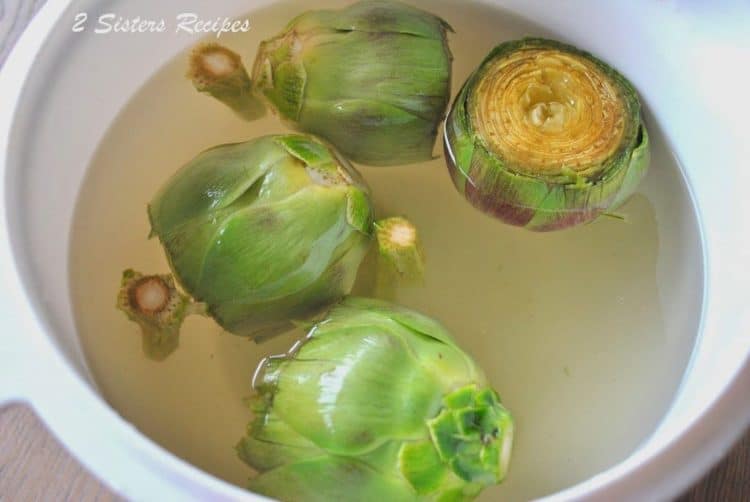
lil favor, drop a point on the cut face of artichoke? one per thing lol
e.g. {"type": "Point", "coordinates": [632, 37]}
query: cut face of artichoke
{"type": "Point", "coordinates": [377, 403]}
{"type": "Point", "coordinates": [372, 78]}
{"type": "Point", "coordinates": [546, 136]}
{"type": "Point", "coordinates": [264, 232]}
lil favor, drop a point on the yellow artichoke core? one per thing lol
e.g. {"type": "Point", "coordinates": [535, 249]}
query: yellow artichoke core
{"type": "Point", "coordinates": [544, 111]}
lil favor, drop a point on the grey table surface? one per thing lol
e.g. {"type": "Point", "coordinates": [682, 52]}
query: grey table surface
{"type": "Point", "coordinates": [35, 467]}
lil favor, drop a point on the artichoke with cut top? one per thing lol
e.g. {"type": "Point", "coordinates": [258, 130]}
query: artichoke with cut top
{"type": "Point", "coordinates": [377, 403]}
{"type": "Point", "coordinates": [546, 136]}
{"type": "Point", "coordinates": [264, 232]}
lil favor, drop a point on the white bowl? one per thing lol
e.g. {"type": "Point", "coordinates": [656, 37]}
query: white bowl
{"type": "Point", "coordinates": [689, 63]}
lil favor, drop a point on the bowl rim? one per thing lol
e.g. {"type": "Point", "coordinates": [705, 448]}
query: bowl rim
{"type": "Point", "coordinates": [109, 448]}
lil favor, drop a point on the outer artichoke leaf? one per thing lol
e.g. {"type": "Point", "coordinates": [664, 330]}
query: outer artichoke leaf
{"type": "Point", "coordinates": [428, 340]}
{"type": "Point", "coordinates": [404, 72]}
{"type": "Point", "coordinates": [372, 132]}
{"type": "Point", "coordinates": [265, 381]}
{"type": "Point", "coordinates": [331, 478]}
{"type": "Point", "coordinates": [384, 458]}
{"type": "Point", "coordinates": [358, 211]}
{"type": "Point", "coordinates": [637, 168]}
{"type": "Point", "coordinates": [268, 427]}
{"type": "Point", "coordinates": [377, 16]}
{"type": "Point", "coordinates": [188, 243]}
{"type": "Point", "coordinates": [295, 251]}
{"type": "Point", "coordinates": [340, 392]}
{"type": "Point", "coordinates": [568, 205]}
{"type": "Point", "coordinates": [409, 318]}
{"type": "Point", "coordinates": [250, 317]}
{"type": "Point", "coordinates": [450, 366]}
{"type": "Point", "coordinates": [271, 443]}
{"type": "Point", "coordinates": [285, 178]}
{"type": "Point", "coordinates": [287, 94]}
{"type": "Point", "coordinates": [530, 201]}
{"type": "Point", "coordinates": [459, 142]}
{"type": "Point", "coordinates": [266, 455]}
{"type": "Point", "coordinates": [384, 317]}
{"type": "Point", "coordinates": [311, 153]}
{"type": "Point", "coordinates": [489, 177]}
{"type": "Point", "coordinates": [213, 180]}
{"type": "Point", "coordinates": [462, 493]}
{"type": "Point", "coordinates": [422, 466]}
{"type": "Point", "coordinates": [391, 16]}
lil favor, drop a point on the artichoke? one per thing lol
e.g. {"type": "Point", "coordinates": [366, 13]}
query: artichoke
{"type": "Point", "coordinates": [266, 231]}
{"type": "Point", "coordinates": [373, 78]}
{"type": "Point", "coordinates": [376, 404]}
{"type": "Point", "coordinates": [546, 136]}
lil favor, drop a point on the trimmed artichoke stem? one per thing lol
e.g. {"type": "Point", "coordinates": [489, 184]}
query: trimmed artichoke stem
{"type": "Point", "coordinates": [399, 250]}
{"type": "Point", "coordinates": [155, 304]}
{"type": "Point", "coordinates": [218, 71]}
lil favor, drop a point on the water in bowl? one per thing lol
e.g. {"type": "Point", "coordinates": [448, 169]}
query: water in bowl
{"type": "Point", "coordinates": [574, 328]}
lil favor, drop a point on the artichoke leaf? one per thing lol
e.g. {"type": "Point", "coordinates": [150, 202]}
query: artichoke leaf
{"type": "Point", "coordinates": [377, 16]}
{"type": "Point", "coordinates": [337, 386]}
{"type": "Point", "coordinates": [330, 478]}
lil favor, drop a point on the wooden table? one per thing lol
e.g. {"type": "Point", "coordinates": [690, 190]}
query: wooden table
{"type": "Point", "coordinates": [33, 465]}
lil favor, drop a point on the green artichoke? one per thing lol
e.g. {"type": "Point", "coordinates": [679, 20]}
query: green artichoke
{"type": "Point", "coordinates": [546, 136]}
{"type": "Point", "coordinates": [266, 231]}
{"type": "Point", "coordinates": [376, 404]}
{"type": "Point", "coordinates": [373, 78]}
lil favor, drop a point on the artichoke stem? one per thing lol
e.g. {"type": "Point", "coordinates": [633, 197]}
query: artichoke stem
{"type": "Point", "coordinates": [218, 71]}
{"type": "Point", "coordinates": [400, 257]}
{"type": "Point", "coordinates": [155, 304]}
